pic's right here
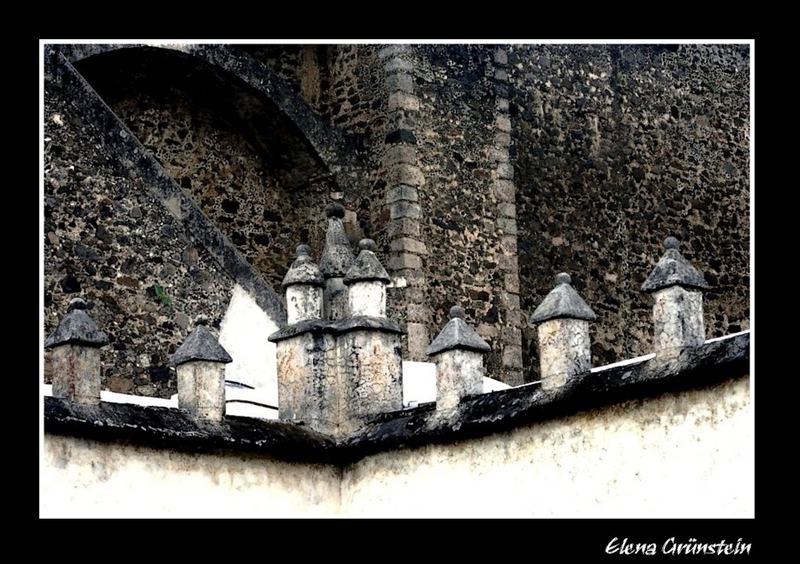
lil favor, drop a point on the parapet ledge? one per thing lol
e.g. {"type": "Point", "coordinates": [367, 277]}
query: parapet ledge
{"type": "Point", "coordinates": [714, 361]}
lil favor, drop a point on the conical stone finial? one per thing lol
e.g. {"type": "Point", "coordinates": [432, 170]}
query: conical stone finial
{"type": "Point", "coordinates": [677, 289]}
{"type": "Point", "coordinates": [303, 270]}
{"type": "Point", "coordinates": [458, 351]}
{"type": "Point", "coordinates": [337, 258]}
{"type": "Point", "coordinates": [200, 345]}
{"type": "Point", "coordinates": [563, 302]}
{"type": "Point", "coordinates": [457, 334]}
{"type": "Point", "coordinates": [75, 358]}
{"type": "Point", "coordinates": [366, 266]}
{"type": "Point", "coordinates": [674, 270]}
{"type": "Point", "coordinates": [563, 332]}
{"type": "Point", "coordinates": [77, 328]}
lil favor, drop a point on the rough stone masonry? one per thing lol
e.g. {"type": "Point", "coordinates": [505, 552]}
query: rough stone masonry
{"type": "Point", "coordinates": [478, 170]}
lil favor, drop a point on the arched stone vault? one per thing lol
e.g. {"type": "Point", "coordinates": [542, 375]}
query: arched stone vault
{"type": "Point", "coordinates": [328, 144]}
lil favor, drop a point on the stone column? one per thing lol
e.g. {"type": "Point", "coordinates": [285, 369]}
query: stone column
{"type": "Point", "coordinates": [563, 330]}
{"type": "Point", "coordinates": [308, 387]}
{"type": "Point", "coordinates": [200, 365]}
{"type": "Point", "coordinates": [405, 181]}
{"type": "Point", "coordinates": [369, 348]}
{"type": "Point", "coordinates": [458, 351]}
{"type": "Point", "coordinates": [677, 288]}
{"type": "Point", "coordinates": [76, 346]}
{"type": "Point", "coordinates": [337, 257]}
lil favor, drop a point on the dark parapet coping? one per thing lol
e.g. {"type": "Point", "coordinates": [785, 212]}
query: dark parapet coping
{"type": "Point", "coordinates": [336, 327]}
{"type": "Point", "coordinates": [136, 160]}
{"type": "Point", "coordinates": [503, 410]}
{"type": "Point", "coordinates": [163, 427]}
{"type": "Point", "coordinates": [480, 415]}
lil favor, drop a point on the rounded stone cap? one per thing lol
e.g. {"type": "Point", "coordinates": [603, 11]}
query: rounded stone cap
{"type": "Point", "coordinates": [367, 245]}
{"type": "Point", "coordinates": [671, 243]}
{"type": "Point", "coordinates": [456, 312]}
{"type": "Point", "coordinates": [201, 319]}
{"type": "Point", "coordinates": [303, 270]}
{"type": "Point", "coordinates": [77, 303]}
{"type": "Point", "coordinates": [563, 278]}
{"type": "Point", "coordinates": [335, 210]}
{"type": "Point", "coordinates": [366, 266]}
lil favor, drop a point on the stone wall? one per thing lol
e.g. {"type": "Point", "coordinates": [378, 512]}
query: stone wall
{"type": "Point", "coordinates": [480, 171]}
{"type": "Point", "coordinates": [190, 124]}
{"type": "Point", "coordinates": [457, 135]}
{"type": "Point", "coordinates": [616, 147]}
{"type": "Point", "coordinates": [109, 240]}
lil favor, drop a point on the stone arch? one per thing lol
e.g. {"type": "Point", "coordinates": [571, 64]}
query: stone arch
{"type": "Point", "coordinates": [319, 143]}
{"type": "Point", "coordinates": [327, 142]}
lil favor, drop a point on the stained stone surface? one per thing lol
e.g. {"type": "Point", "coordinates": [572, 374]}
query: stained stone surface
{"type": "Point", "coordinates": [76, 373]}
{"type": "Point", "coordinates": [459, 373]}
{"type": "Point", "coordinates": [677, 319]}
{"type": "Point", "coordinates": [564, 350]}
{"type": "Point", "coordinates": [201, 389]}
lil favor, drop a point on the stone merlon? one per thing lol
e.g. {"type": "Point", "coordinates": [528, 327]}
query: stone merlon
{"type": "Point", "coordinates": [457, 334]}
{"type": "Point", "coordinates": [366, 266]}
{"type": "Point", "coordinates": [200, 345]}
{"type": "Point", "coordinates": [303, 270]}
{"type": "Point", "coordinates": [563, 302]}
{"type": "Point", "coordinates": [673, 270]}
{"type": "Point", "coordinates": [77, 328]}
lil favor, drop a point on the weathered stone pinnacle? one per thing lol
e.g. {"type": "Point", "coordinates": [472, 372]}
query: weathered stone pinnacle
{"type": "Point", "coordinates": [563, 302]}
{"type": "Point", "coordinates": [366, 266]}
{"type": "Point", "coordinates": [200, 345]}
{"type": "Point", "coordinates": [457, 334]}
{"type": "Point", "coordinates": [673, 270]}
{"type": "Point", "coordinates": [337, 255]}
{"type": "Point", "coordinates": [77, 328]}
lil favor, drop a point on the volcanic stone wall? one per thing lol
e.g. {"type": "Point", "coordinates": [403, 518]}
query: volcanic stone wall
{"type": "Point", "coordinates": [480, 170]}
{"type": "Point", "coordinates": [108, 239]}
{"type": "Point", "coordinates": [618, 146]}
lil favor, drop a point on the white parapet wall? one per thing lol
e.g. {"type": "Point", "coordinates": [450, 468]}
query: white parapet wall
{"type": "Point", "coordinates": [681, 454]}
{"type": "Point", "coordinates": [684, 454]}
{"type": "Point", "coordinates": [84, 478]}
